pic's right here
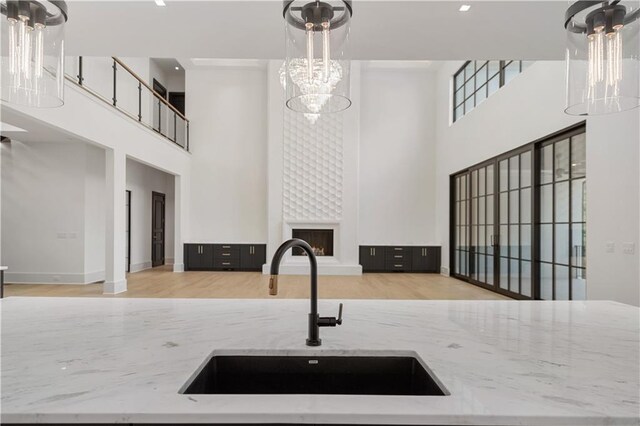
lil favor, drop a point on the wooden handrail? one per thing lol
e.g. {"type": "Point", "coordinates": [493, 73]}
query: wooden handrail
{"type": "Point", "coordinates": [145, 84]}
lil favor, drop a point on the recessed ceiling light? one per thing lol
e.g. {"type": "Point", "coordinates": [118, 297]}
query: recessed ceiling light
{"type": "Point", "coordinates": [465, 8]}
{"type": "Point", "coordinates": [177, 68]}
{"type": "Point", "coordinates": [160, 2]}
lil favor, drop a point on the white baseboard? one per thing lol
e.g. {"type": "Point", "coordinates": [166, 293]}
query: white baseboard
{"type": "Point", "coordinates": [178, 267]}
{"type": "Point", "coordinates": [169, 261]}
{"type": "Point", "coordinates": [52, 278]}
{"type": "Point", "coordinates": [444, 271]}
{"type": "Point", "coordinates": [114, 287]}
{"type": "Point", "coordinates": [137, 267]}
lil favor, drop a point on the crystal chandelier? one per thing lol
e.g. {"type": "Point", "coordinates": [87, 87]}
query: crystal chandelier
{"type": "Point", "coordinates": [33, 52]}
{"type": "Point", "coordinates": [317, 85]}
{"type": "Point", "coordinates": [603, 61]}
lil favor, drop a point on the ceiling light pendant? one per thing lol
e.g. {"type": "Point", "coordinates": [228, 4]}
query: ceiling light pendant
{"type": "Point", "coordinates": [317, 83]}
{"type": "Point", "coordinates": [33, 52]}
{"type": "Point", "coordinates": [603, 57]}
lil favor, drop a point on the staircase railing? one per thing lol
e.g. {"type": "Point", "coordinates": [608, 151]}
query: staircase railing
{"type": "Point", "coordinates": [115, 83]}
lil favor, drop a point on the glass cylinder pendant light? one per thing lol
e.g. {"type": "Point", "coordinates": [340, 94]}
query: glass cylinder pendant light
{"type": "Point", "coordinates": [603, 57]}
{"type": "Point", "coordinates": [316, 73]}
{"type": "Point", "coordinates": [33, 52]}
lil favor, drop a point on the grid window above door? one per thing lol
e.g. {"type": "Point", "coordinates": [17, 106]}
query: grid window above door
{"type": "Point", "coordinates": [475, 81]}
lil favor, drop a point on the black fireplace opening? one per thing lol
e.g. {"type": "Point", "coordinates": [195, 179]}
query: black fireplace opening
{"type": "Point", "coordinates": [320, 240]}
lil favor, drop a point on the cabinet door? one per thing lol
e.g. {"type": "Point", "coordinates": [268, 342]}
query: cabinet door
{"type": "Point", "coordinates": [372, 258]}
{"type": "Point", "coordinates": [198, 257]}
{"type": "Point", "coordinates": [426, 259]}
{"type": "Point", "coordinates": [252, 257]}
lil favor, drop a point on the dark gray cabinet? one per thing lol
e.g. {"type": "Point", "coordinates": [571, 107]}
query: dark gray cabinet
{"type": "Point", "coordinates": [198, 257]}
{"type": "Point", "coordinates": [426, 259]}
{"type": "Point", "coordinates": [224, 257]}
{"type": "Point", "coordinates": [400, 258]}
{"type": "Point", "coordinates": [252, 257]}
{"type": "Point", "coordinates": [372, 258]}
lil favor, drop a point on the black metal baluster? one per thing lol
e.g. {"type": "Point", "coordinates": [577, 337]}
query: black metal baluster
{"type": "Point", "coordinates": [80, 77]}
{"type": "Point", "coordinates": [139, 101]}
{"type": "Point", "coordinates": [115, 69]}
{"type": "Point", "coordinates": [175, 128]}
{"type": "Point", "coordinates": [187, 136]}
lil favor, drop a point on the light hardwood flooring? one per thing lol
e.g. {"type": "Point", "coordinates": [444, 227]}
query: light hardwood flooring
{"type": "Point", "coordinates": [162, 282]}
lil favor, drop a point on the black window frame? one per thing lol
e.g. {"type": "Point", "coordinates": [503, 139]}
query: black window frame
{"type": "Point", "coordinates": [467, 76]}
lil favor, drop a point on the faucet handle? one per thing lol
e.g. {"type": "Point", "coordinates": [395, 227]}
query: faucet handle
{"type": "Point", "coordinates": [331, 321]}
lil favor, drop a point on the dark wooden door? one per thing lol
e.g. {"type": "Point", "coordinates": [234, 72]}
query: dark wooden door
{"type": "Point", "coordinates": [372, 258]}
{"type": "Point", "coordinates": [177, 100]}
{"type": "Point", "coordinates": [157, 229]}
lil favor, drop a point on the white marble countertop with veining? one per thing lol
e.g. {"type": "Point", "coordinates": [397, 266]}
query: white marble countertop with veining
{"type": "Point", "coordinates": [504, 362]}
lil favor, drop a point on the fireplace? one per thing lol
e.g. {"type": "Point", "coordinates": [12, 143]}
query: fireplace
{"type": "Point", "coordinates": [320, 240]}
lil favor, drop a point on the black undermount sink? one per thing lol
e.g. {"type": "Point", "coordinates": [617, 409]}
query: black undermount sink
{"type": "Point", "coordinates": [337, 375]}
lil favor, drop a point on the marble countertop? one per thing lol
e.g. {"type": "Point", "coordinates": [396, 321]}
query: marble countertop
{"type": "Point", "coordinates": [504, 362]}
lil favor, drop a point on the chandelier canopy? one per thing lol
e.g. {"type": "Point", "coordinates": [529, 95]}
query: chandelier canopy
{"type": "Point", "coordinates": [33, 52]}
{"type": "Point", "coordinates": [317, 84]}
{"type": "Point", "coordinates": [603, 57]}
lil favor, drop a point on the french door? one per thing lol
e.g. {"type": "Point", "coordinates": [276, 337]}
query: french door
{"type": "Point", "coordinates": [518, 221]}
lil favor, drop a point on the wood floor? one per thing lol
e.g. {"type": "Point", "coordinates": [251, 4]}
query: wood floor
{"type": "Point", "coordinates": [162, 282]}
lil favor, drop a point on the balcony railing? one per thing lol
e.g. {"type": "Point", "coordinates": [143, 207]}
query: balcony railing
{"type": "Point", "coordinates": [112, 81]}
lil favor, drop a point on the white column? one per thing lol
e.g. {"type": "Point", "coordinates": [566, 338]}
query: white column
{"type": "Point", "coordinates": [116, 178]}
{"type": "Point", "coordinates": [180, 225]}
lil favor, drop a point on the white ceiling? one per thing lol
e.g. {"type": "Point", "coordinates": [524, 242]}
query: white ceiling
{"type": "Point", "coordinates": [381, 29]}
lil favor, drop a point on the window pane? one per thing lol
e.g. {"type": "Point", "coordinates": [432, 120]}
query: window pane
{"type": "Point", "coordinates": [562, 283]}
{"type": "Point", "coordinates": [490, 270]}
{"type": "Point", "coordinates": [481, 181]}
{"type": "Point", "coordinates": [481, 239]}
{"type": "Point", "coordinates": [463, 212]}
{"type": "Point", "coordinates": [489, 180]}
{"type": "Point", "coordinates": [458, 113]}
{"type": "Point", "coordinates": [514, 172]}
{"type": "Point", "coordinates": [578, 156]}
{"type": "Point", "coordinates": [525, 205]}
{"type": "Point", "coordinates": [490, 218]}
{"type": "Point", "coordinates": [546, 203]}
{"type": "Point", "coordinates": [562, 202]}
{"type": "Point", "coordinates": [514, 207]}
{"type": "Point", "coordinates": [562, 244]}
{"type": "Point", "coordinates": [504, 273]}
{"type": "Point", "coordinates": [504, 207]}
{"type": "Point", "coordinates": [481, 76]}
{"type": "Point", "coordinates": [469, 88]}
{"type": "Point", "coordinates": [481, 268]}
{"type": "Point", "coordinates": [525, 278]}
{"type": "Point", "coordinates": [463, 187]}
{"type": "Point", "coordinates": [494, 68]}
{"type": "Point", "coordinates": [514, 276]}
{"type": "Point", "coordinates": [511, 70]}
{"type": "Point", "coordinates": [546, 243]}
{"type": "Point", "coordinates": [578, 200]}
{"type": "Point", "coordinates": [504, 175]}
{"type": "Point", "coordinates": [578, 245]}
{"type": "Point", "coordinates": [546, 164]}
{"type": "Point", "coordinates": [481, 94]}
{"type": "Point", "coordinates": [514, 241]}
{"type": "Point", "coordinates": [525, 169]}
{"type": "Point", "coordinates": [481, 211]}
{"type": "Point", "coordinates": [578, 284]}
{"type": "Point", "coordinates": [459, 80]}
{"type": "Point", "coordinates": [562, 160]}
{"type": "Point", "coordinates": [504, 240]}
{"type": "Point", "coordinates": [546, 281]}
{"type": "Point", "coordinates": [469, 70]}
{"type": "Point", "coordinates": [494, 85]}
{"type": "Point", "coordinates": [468, 105]}
{"type": "Point", "coordinates": [525, 242]}
{"type": "Point", "coordinates": [459, 97]}
{"type": "Point", "coordinates": [474, 183]}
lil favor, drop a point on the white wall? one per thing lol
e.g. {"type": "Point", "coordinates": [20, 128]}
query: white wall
{"type": "Point", "coordinates": [528, 108]}
{"type": "Point", "coordinates": [45, 187]}
{"type": "Point", "coordinates": [397, 156]}
{"type": "Point", "coordinates": [142, 181]}
{"type": "Point", "coordinates": [227, 109]}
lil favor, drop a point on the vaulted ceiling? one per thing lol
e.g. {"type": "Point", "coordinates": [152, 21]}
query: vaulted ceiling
{"type": "Point", "coordinates": [381, 29]}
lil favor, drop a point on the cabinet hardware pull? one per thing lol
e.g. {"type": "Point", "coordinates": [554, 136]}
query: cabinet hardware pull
{"type": "Point", "coordinates": [370, 251]}
{"type": "Point", "coordinates": [374, 251]}
{"type": "Point", "coordinates": [397, 248]}
{"type": "Point", "coordinates": [226, 254]}
{"type": "Point", "coordinates": [397, 256]}
{"type": "Point", "coordinates": [226, 246]}
{"type": "Point", "coordinates": [226, 263]}
{"type": "Point", "coordinates": [398, 266]}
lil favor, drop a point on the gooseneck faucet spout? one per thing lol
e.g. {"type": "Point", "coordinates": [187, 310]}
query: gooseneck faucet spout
{"type": "Point", "coordinates": [315, 321]}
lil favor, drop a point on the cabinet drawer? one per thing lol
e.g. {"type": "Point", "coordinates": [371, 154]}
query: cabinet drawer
{"type": "Point", "coordinates": [221, 263]}
{"type": "Point", "coordinates": [403, 265]}
{"type": "Point", "coordinates": [226, 250]}
{"type": "Point", "coordinates": [396, 256]}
